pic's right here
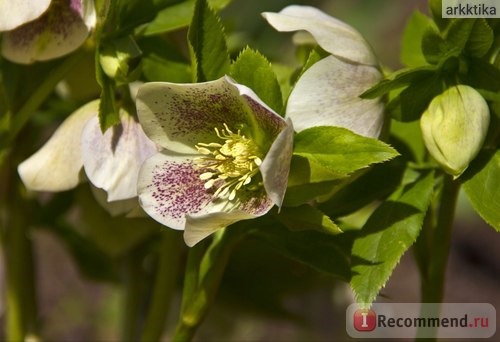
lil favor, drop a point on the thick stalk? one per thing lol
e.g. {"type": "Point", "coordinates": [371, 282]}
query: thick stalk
{"type": "Point", "coordinates": [164, 286]}
{"type": "Point", "coordinates": [21, 308]}
{"type": "Point", "coordinates": [434, 248]}
{"type": "Point", "coordinates": [210, 274]}
{"type": "Point", "coordinates": [434, 280]}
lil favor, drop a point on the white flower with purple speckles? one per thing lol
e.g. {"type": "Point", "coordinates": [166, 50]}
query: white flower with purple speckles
{"type": "Point", "coordinates": [225, 155]}
{"type": "Point", "coordinates": [41, 30]}
{"type": "Point", "coordinates": [111, 160]}
{"type": "Point", "coordinates": [327, 94]}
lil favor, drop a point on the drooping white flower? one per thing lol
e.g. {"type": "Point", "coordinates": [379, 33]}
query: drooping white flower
{"type": "Point", "coordinates": [327, 94]}
{"type": "Point", "coordinates": [111, 161]}
{"type": "Point", "coordinates": [44, 29]}
{"type": "Point", "coordinates": [225, 155]}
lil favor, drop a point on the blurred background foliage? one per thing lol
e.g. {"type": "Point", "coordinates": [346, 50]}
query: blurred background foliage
{"type": "Point", "coordinates": [87, 261]}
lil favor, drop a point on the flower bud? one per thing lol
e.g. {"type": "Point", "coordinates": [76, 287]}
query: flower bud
{"type": "Point", "coordinates": [120, 60]}
{"type": "Point", "coordinates": [454, 127]}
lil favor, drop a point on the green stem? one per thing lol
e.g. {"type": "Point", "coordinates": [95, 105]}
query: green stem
{"type": "Point", "coordinates": [210, 272]}
{"type": "Point", "coordinates": [433, 249]}
{"type": "Point", "coordinates": [21, 309]}
{"type": "Point", "coordinates": [41, 93]}
{"type": "Point", "coordinates": [434, 280]}
{"type": "Point", "coordinates": [164, 287]}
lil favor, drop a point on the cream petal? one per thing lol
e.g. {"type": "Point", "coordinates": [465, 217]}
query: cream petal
{"type": "Point", "coordinates": [178, 116]}
{"type": "Point", "coordinates": [59, 31]}
{"type": "Point", "coordinates": [276, 165]}
{"type": "Point", "coordinates": [327, 94]}
{"type": "Point", "coordinates": [169, 187]}
{"type": "Point", "coordinates": [200, 227]}
{"type": "Point", "coordinates": [112, 161]}
{"type": "Point", "coordinates": [19, 12]}
{"type": "Point", "coordinates": [333, 35]}
{"type": "Point", "coordinates": [56, 166]}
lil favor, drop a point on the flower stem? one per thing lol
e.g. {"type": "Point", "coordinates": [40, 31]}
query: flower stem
{"type": "Point", "coordinates": [434, 280]}
{"type": "Point", "coordinates": [433, 249]}
{"type": "Point", "coordinates": [164, 286]}
{"type": "Point", "coordinates": [21, 308]}
{"type": "Point", "coordinates": [209, 273]}
{"type": "Point", "coordinates": [41, 93]}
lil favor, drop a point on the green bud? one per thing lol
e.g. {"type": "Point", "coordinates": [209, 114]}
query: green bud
{"type": "Point", "coordinates": [454, 127]}
{"type": "Point", "coordinates": [120, 60]}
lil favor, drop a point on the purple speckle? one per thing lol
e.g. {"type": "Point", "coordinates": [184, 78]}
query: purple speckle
{"type": "Point", "coordinates": [177, 190]}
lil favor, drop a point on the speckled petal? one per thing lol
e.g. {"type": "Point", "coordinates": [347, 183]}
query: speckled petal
{"type": "Point", "coordinates": [276, 165]}
{"type": "Point", "coordinates": [112, 161]}
{"type": "Point", "coordinates": [56, 166]}
{"type": "Point", "coordinates": [59, 31]}
{"type": "Point", "coordinates": [252, 204]}
{"type": "Point", "coordinates": [267, 123]}
{"type": "Point", "coordinates": [333, 35]}
{"type": "Point", "coordinates": [198, 228]}
{"type": "Point", "coordinates": [327, 94]}
{"type": "Point", "coordinates": [170, 187]}
{"type": "Point", "coordinates": [18, 12]}
{"type": "Point", "coordinates": [178, 116]}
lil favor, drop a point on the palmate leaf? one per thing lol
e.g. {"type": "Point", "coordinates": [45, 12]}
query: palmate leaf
{"type": "Point", "coordinates": [387, 235]}
{"type": "Point", "coordinates": [207, 41]}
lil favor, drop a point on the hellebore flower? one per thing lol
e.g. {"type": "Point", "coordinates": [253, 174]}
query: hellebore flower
{"type": "Point", "coordinates": [454, 127]}
{"type": "Point", "coordinates": [42, 30]}
{"type": "Point", "coordinates": [225, 155]}
{"type": "Point", "coordinates": [111, 160]}
{"type": "Point", "coordinates": [327, 94]}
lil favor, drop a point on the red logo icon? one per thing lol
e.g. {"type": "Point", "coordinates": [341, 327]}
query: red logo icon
{"type": "Point", "coordinates": [364, 320]}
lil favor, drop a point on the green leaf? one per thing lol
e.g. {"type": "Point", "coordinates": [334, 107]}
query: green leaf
{"type": "Point", "coordinates": [254, 70]}
{"type": "Point", "coordinates": [108, 108]}
{"type": "Point", "coordinates": [387, 235]}
{"type": "Point", "coordinates": [340, 151]}
{"type": "Point", "coordinates": [397, 80]}
{"type": "Point", "coordinates": [306, 217]}
{"type": "Point", "coordinates": [377, 183]}
{"type": "Point", "coordinates": [482, 184]}
{"type": "Point", "coordinates": [480, 40]}
{"type": "Point", "coordinates": [435, 8]}
{"type": "Point", "coordinates": [415, 99]}
{"type": "Point", "coordinates": [483, 75]}
{"type": "Point", "coordinates": [162, 62]}
{"type": "Point", "coordinates": [437, 50]}
{"type": "Point", "coordinates": [177, 16]}
{"type": "Point", "coordinates": [326, 253]}
{"type": "Point", "coordinates": [411, 46]}
{"type": "Point", "coordinates": [210, 56]}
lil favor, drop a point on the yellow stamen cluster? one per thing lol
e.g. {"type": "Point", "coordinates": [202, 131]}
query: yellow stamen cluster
{"type": "Point", "coordinates": [233, 162]}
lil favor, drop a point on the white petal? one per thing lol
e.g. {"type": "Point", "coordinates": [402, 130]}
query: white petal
{"type": "Point", "coordinates": [327, 94]}
{"type": "Point", "coordinates": [112, 161]}
{"type": "Point", "coordinates": [276, 165]}
{"type": "Point", "coordinates": [59, 31]}
{"type": "Point", "coordinates": [18, 12]}
{"type": "Point", "coordinates": [169, 188]}
{"type": "Point", "coordinates": [199, 227]}
{"type": "Point", "coordinates": [56, 166]}
{"type": "Point", "coordinates": [333, 35]}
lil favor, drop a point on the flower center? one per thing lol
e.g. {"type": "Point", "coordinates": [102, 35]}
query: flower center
{"type": "Point", "coordinates": [231, 164]}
